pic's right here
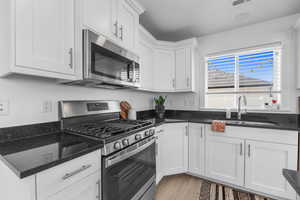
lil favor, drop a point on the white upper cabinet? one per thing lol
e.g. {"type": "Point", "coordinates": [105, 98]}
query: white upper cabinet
{"type": "Point", "coordinates": [183, 69]}
{"type": "Point", "coordinates": [128, 21]}
{"type": "Point", "coordinates": [298, 51]}
{"type": "Point", "coordinates": [164, 71]}
{"type": "Point", "coordinates": [170, 68]}
{"type": "Point", "coordinates": [146, 53]}
{"type": "Point", "coordinates": [264, 164]}
{"type": "Point", "coordinates": [98, 16]}
{"type": "Point", "coordinates": [44, 37]}
{"type": "Point", "coordinates": [116, 19]}
{"type": "Point", "coordinates": [196, 149]}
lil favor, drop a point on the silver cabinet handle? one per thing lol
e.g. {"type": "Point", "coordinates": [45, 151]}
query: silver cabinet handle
{"type": "Point", "coordinates": [249, 150]}
{"type": "Point", "coordinates": [201, 132]}
{"type": "Point", "coordinates": [241, 149]}
{"type": "Point", "coordinates": [186, 130]}
{"type": "Point", "coordinates": [99, 190]}
{"type": "Point", "coordinates": [69, 175]}
{"type": "Point", "coordinates": [121, 30]}
{"type": "Point", "coordinates": [173, 83]}
{"type": "Point", "coordinates": [71, 58]}
{"type": "Point", "coordinates": [188, 82]}
{"type": "Point", "coordinates": [116, 28]}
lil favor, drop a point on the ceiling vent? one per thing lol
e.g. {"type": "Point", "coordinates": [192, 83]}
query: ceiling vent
{"type": "Point", "coordinates": [239, 2]}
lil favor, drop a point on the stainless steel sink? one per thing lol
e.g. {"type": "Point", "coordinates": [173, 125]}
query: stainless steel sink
{"type": "Point", "coordinates": [238, 122]}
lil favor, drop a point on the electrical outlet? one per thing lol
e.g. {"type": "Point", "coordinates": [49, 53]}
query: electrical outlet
{"type": "Point", "coordinates": [185, 101]}
{"type": "Point", "coordinates": [47, 107]}
{"type": "Point", "coordinates": [170, 102]}
{"type": "Point", "coordinates": [192, 101]}
{"type": "Point", "coordinates": [4, 108]}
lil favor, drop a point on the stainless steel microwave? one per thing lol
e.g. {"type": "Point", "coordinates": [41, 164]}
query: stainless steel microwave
{"type": "Point", "coordinates": [107, 65]}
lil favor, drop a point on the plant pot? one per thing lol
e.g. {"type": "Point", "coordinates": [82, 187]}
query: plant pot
{"type": "Point", "coordinates": [160, 111]}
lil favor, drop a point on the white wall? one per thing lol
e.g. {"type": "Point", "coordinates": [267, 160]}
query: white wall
{"type": "Point", "coordinates": [278, 30]}
{"type": "Point", "coordinates": [27, 94]}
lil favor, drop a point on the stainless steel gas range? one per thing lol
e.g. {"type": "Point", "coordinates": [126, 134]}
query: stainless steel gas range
{"type": "Point", "coordinates": [128, 156]}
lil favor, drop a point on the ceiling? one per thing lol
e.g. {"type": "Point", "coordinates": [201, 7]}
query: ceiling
{"type": "Point", "coordinates": [174, 20]}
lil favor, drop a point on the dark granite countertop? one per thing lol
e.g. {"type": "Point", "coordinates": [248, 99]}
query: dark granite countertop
{"type": "Point", "coordinates": [293, 177]}
{"type": "Point", "coordinates": [209, 121]}
{"type": "Point", "coordinates": [32, 155]}
{"type": "Point", "coordinates": [282, 121]}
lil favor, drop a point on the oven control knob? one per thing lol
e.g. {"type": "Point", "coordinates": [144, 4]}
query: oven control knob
{"type": "Point", "coordinates": [125, 142]}
{"type": "Point", "coordinates": [117, 145]}
{"type": "Point", "coordinates": [152, 132]}
{"type": "Point", "coordinates": [146, 133]}
{"type": "Point", "coordinates": [138, 137]}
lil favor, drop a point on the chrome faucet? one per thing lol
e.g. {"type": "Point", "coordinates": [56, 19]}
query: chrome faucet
{"type": "Point", "coordinates": [240, 112]}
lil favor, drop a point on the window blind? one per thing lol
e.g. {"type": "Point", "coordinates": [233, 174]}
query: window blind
{"type": "Point", "coordinates": [244, 72]}
{"type": "Point", "coordinates": [221, 72]}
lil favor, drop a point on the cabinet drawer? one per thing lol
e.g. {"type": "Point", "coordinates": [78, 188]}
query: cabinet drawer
{"type": "Point", "coordinates": [55, 179]}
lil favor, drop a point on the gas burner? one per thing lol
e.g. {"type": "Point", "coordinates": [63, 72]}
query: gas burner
{"type": "Point", "coordinates": [107, 129]}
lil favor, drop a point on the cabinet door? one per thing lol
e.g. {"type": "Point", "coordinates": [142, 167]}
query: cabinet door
{"type": "Point", "coordinates": [264, 164]}
{"type": "Point", "coordinates": [174, 145]}
{"type": "Point", "coordinates": [45, 35]}
{"type": "Point", "coordinates": [88, 189]}
{"type": "Point", "coordinates": [159, 172]}
{"type": "Point", "coordinates": [146, 53]}
{"type": "Point", "coordinates": [183, 69]}
{"type": "Point", "coordinates": [196, 148]}
{"type": "Point", "coordinates": [97, 15]}
{"type": "Point", "coordinates": [298, 53]}
{"type": "Point", "coordinates": [128, 21]}
{"type": "Point", "coordinates": [225, 159]}
{"type": "Point", "coordinates": [164, 70]}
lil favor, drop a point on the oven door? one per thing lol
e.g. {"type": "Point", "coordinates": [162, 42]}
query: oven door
{"type": "Point", "coordinates": [131, 174]}
{"type": "Point", "coordinates": [107, 62]}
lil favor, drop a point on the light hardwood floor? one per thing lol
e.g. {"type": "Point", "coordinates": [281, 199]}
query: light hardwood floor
{"type": "Point", "coordinates": [185, 187]}
{"type": "Point", "coordinates": [179, 187]}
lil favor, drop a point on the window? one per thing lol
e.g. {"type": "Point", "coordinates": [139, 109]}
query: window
{"type": "Point", "coordinates": [254, 74]}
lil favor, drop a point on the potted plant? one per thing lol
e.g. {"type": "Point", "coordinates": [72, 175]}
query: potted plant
{"type": "Point", "coordinates": [159, 106]}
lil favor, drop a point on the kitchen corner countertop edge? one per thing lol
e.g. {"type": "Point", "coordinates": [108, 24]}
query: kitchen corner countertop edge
{"type": "Point", "coordinates": [8, 150]}
{"type": "Point", "coordinates": [209, 121]}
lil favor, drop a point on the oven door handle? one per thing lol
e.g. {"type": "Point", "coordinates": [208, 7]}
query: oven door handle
{"type": "Point", "coordinates": [116, 159]}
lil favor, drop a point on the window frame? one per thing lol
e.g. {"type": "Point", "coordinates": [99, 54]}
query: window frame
{"type": "Point", "coordinates": [236, 53]}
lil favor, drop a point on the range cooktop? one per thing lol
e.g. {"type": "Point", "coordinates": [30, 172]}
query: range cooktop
{"type": "Point", "coordinates": [104, 130]}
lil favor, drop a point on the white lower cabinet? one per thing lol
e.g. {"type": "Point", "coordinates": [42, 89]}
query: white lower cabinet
{"type": "Point", "coordinates": [196, 149]}
{"type": "Point", "coordinates": [54, 183]}
{"type": "Point", "coordinates": [88, 189]}
{"type": "Point", "coordinates": [252, 158]}
{"type": "Point", "coordinates": [158, 148]}
{"type": "Point", "coordinates": [174, 148]}
{"type": "Point", "coordinates": [264, 164]}
{"type": "Point", "coordinates": [225, 159]}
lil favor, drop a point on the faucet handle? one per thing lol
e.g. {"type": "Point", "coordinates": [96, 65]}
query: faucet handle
{"type": "Point", "coordinates": [245, 100]}
{"type": "Point", "coordinates": [245, 103]}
